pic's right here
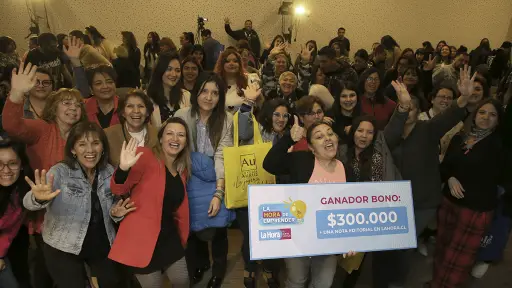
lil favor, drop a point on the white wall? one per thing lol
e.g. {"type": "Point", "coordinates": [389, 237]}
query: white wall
{"type": "Point", "coordinates": [457, 21]}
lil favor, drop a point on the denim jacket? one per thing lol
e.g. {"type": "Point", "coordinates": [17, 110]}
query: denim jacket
{"type": "Point", "coordinates": [67, 215]}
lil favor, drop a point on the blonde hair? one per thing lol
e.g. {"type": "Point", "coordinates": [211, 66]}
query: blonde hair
{"type": "Point", "coordinates": [183, 161]}
{"type": "Point", "coordinates": [52, 103]}
{"type": "Point", "coordinates": [286, 74]}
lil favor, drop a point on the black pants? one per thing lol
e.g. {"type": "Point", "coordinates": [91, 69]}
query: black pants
{"type": "Point", "coordinates": [199, 256]}
{"type": "Point", "coordinates": [41, 277]}
{"type": "Point", "coordinates": [18, 256]}
{"type": "Point", "coordinates": [68, 270]}
{"type": "Point", "coordinates": [242, 217]}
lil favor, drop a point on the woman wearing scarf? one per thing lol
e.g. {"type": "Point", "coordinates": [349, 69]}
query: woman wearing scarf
{"type": "Point", "coordinates": [474, 166]}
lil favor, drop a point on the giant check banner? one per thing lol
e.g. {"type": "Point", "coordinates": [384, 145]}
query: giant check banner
{"type": "Point", "coordinates": [320, 219]}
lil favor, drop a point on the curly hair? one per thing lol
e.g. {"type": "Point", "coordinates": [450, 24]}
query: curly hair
{"type": "Point", "coordinates": [52, 103]}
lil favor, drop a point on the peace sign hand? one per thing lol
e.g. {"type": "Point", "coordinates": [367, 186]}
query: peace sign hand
{"type": "Point", "coordinates": [42, 190]}
{"type": "Point", "coordinates": [465, 83]}
{"type": "Point", "coordinates": [404, 98]}
{"type": "Point", "coordinates": [252, 92]}
{"type": "Point", "coordinates": [430, 64]}
{"type": "Point", "coordinates": [296, 132]}
{"type": "Point", "coordinates": [129, 155]}
{"type": "Point", "coordinates": [22, 80]}
{"type": "Point", "coordinates": [73, 51]}
{"type": "Point", "coordinates": [122, 208]}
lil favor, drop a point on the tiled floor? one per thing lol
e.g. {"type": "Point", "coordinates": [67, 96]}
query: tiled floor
{"type": "Point", "coordinates": [498, 275]}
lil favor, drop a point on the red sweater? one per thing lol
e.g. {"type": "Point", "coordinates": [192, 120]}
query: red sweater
{"type": "Point", "coordinates": [92, 109]}
{"type": "Point", "coordinates": [138, 233]}
{"type": "Point", "coordinates": [381, 112]}
{"type": "Point", "coordinates": [45, 145]}
{"type": "Point", "coordinates": [10, 224]}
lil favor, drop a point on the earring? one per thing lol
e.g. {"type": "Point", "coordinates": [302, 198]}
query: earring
{"type": "Point", "coordinates": [74, 156]}
{"type": "Point", "coordinates": [102, 153]}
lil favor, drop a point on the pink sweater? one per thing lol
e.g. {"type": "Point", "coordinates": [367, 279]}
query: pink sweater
{"type": "Point", "coordinates": [10, 223]}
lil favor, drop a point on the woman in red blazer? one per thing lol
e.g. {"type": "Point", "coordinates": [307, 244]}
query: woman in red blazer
{"type": "Point", "coordinates": [152, 239]}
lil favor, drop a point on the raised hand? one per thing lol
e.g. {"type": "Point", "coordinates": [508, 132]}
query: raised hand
{"type": "Point", "coordinates": [305, 54]}
{"type": "Point", "coordinates": [296, 132]}
{"type": "Point", "coordinates": [129, 155]}
{"type": "Point", "coordinates": [253, 92]}
{"type": "Point", "coordinates": [404, 98]}
{"type": "Point", "coordinates": [23, 79]}
{"type": "Point", "coordinates": [430, 64]}
{"type": "Point", "coordinates": [349, 254]}
{"type": "Point", "coordinates": [122, 208]}
{"type": "Point", "coordinates": [42, 189]}
{"type": "Point", "coordinates": [465, 83]}
{"type": "Point", "coordinates": [227, 21]}
{"type": "Point", "coordinates": [73, 51]}
{"type": "Point", "coordinates": [456, 188]}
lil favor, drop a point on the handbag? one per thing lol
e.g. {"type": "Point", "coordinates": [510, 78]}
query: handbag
{"type": "Point", "coordinates": [243, 166]}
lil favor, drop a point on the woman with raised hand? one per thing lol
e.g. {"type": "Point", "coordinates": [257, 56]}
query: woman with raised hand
{"type": "Point", "coordinates": [316, 165]}
{"type": "Point", "coordinates": [79, 208]}
{"type": "Point", "coordinates": [100, 81]}
{"type": "Point", "coordinates": [45, 138]}
{"type": "Point", "coordinates": [475, 164]}
{"type": "Point", "coordinates": [406, 135]}
{"type": "Point", "coordinates": [14, 241]}
{"type": "Point", "coordinates": [151, 242]}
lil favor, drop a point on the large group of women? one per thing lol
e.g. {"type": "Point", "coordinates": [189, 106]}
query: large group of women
{"type": "Point", "coordinates": [116, 169]}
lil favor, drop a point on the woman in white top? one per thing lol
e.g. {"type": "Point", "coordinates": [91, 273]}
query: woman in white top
{"type": "Point", "coordinates": [165, 88]}
{"type": "Point", "coordinates": [230, 69]}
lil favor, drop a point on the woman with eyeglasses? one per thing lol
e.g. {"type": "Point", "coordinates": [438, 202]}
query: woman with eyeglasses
{"type": "Point", "coordinates": [372, 98]}
{"type": "Point", "coordinates": [273, 121]}
{"type": "Point", "coordinates": [14, 241]}
{"type": "Point", "coordinates": [45, 138]}
{"type": "Point", "coordinates": [287, 90]}
{"type": "Point", "coordinates": [165, 89]}
{"type": "Point", "coordinates": [310, 110]}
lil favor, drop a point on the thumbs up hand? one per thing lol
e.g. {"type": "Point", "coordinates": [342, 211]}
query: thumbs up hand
{"type": "Point", "coordinates": [297, 132]}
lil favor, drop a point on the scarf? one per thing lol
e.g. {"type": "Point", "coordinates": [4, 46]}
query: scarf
{"type": "Point", "coordinates": [474, 136]}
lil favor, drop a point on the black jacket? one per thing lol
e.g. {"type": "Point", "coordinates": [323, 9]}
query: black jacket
{"type": "Point", "coordinates": [243, 34]}
{"type": "Point", "coordinates": [298, 165]}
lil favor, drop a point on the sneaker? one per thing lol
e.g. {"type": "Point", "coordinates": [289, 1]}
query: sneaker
{"type": "Point", "coordinates": [480, 269]}
{"type": "Point", "coordinates": [422, 249]}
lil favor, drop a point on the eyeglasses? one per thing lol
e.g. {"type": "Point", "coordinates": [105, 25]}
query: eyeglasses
{"type": "Point", "coordinates": [13, 166]}
{"type": "Point", "coordinates": [373, 79]}
{"type": "Point", "coordinates": [69, 103]}
{"type": "Point", "coordinates": [285, 116]}
{"type": "Point", "coordinates": [43, 83]}
{"type": "Point", "coordinates": [317, 113]}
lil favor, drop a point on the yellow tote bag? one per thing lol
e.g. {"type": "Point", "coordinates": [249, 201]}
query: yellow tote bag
{"type": "Point", "coordinates": [243, 165]}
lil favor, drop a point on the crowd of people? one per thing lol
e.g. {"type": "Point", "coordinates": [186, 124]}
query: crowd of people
{"type": "Point", "coordinates": [111, 157]}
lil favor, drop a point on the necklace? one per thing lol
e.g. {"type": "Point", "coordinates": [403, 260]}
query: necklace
{"type": "Point", "coordinates": [34, 110]}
